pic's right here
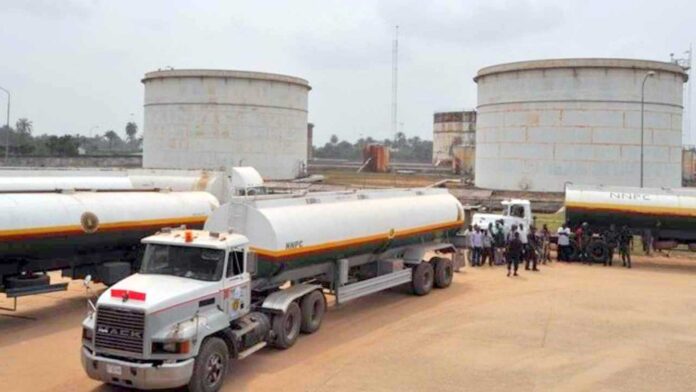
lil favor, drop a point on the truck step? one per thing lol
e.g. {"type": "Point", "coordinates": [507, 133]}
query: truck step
{"type": "Point", "coordinates": [373, 285]}
{"type": "Point", "coordinates": [258, 346]}
{"type": "Point", "coordinates": [239, 333]}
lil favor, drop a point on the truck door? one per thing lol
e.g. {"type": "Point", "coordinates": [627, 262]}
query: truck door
{"type": "Point", "coordinates": [236, 288]}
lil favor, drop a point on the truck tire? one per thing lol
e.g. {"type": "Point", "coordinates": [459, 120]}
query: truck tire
{"type": "Point", "coordinates": [692, 246]}
{"type": "Point", "coordinates": [598, 251]}
{"type": "Point", "coordinates": [313, 307]}
{"type": "Point", "coordinates": [443, 272]}
{"type": "Point", "coordinates": [573, 252]}
{"type": "Point", "coordinates": [286, 327]}
{"type": "Point", "coordinates": [210, 366]}
{"type": "Point", "coordinates": [665, 245]}
{"type": "Point", "coordinates": [423, 277]}
{"type": "Point", "coordinates": [15, 282]}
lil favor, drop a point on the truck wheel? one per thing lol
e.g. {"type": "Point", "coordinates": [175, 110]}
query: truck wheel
{"type": "Point", "coordinates": [14, 282]}
{"type": "Point", "coordinates": [210, 367]}
{"type": "Point", "coordinates": [598, 251]}
{"type": "Point", "coordinates": [286, 327]}
{"type": "Point", "coordinates": [313, 309]}
{"type": "Point", "coordinates": [422, 278]}
{"type": "Point", "coordinates": [692, 246]}
{"type": "Point", "coordinates": [573, 252]}
{"type": "Point", "coordinates": [443, 271]}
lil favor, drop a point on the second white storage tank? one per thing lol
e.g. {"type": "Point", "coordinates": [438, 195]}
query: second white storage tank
{"type": "Point", "coordinates": [543, 123]}
{"type": "Point", "coordinates": [216, 119]}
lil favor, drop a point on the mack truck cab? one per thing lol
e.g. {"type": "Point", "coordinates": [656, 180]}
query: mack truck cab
{"type": "Point", "coordinates": [197, 303]}
{"type": "Point", "coordinates": [516, 212]}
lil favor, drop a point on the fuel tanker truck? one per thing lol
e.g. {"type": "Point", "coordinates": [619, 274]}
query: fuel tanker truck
{"type": "Point", "coordinates": [85, 233]}
{"type": "Point", "coordinates": [257, 276]}
{"type": "Point", "coordinates": [669, 214]}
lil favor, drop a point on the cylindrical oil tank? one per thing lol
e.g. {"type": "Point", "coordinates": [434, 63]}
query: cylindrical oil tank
{"type": "Point", "coordinates": [544, 123]}
{"type": "Point", "coordinates": [670, 214]}
{"type": "Point", "coordinates": [44, 231]}
{"type": "Point", "coordinates": [463, 159]}
{"type": "Point", "coordinates": [298, 231]}
{"type": "Point", "coordinates": [452, 129]}
{"type": "Point", "coordinates": [216, 119]}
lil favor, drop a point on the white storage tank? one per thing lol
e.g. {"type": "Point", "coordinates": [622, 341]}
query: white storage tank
{"type": "Point", "coordinates": [543, 123]}
{"type": "Point", "coordinates": [216, 119]}
{"type": "Point", "coordinates": [452, 129]}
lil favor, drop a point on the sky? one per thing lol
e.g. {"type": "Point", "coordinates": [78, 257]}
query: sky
{"type": "Point", "coordinates": [74, 66]}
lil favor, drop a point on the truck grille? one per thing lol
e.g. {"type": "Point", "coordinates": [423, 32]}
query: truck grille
{"type": "Point", "coordinates": [119, 329]}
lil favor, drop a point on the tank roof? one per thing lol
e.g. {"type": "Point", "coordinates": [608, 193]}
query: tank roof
{"type": "Point", "coordinates": [582, 63]}
{"type": "Point", "coordinates": [223, 73]}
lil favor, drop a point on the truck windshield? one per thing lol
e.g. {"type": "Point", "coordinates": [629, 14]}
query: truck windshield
{"type": "Point", "coordinates": [184, 261]}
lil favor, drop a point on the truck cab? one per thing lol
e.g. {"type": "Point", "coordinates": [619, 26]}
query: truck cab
{"type": "Point", "coordinates": [148, 330]}
{"type": "Point", "coordinates": [515, 212]}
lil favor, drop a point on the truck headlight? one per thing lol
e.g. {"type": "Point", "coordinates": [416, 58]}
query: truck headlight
{"type": "Point", "coordinates": [171, 347]}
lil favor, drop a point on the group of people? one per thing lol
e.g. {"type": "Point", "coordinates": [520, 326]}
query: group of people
{"type": "Point", "coordinates": [613, 238]}
{"type": "Point", "coordinates": [495, 246]}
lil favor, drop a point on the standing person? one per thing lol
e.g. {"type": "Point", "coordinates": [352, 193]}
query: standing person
{"type": "Point", "coordinates": [647, 241]}
{"type": "Point", "coordinates": [467, 244]}
{"type": "Point", "coordinates": [531, 253]}
{"type": "Point", "coordinates": [477, 244]}
{"type": "Point", "coordinates": [625, 243]}
{"type": "Point", "coordinates": [545, 244]}
{"type": "Point", "coordinates": [611, 237]}
{"type": "Point", "coordinates": [586, 239]}
{"type": "Point", "coordinates": [563, 243]}
{"type": "Point", "coordinates": [525, 242]}
{"type": "Point", "coordinates": [499, 242]}
{"type": "Point", "coordinates": [514, 253]}
{"type": "Point", "coordinates": [487, 247]}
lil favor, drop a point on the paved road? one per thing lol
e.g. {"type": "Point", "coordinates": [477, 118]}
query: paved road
{"type": "Point", "coordinates": [568, 327]}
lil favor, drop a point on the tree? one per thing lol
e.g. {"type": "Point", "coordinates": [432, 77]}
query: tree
{"type": "Point", "coordinates": [24, 126]}
{"type": "Point", "coordinates": [334, 139]}
{"type": "Point", "coordinates": [131, 131]}
{"type": "Point", "coordinates": [112, 137]}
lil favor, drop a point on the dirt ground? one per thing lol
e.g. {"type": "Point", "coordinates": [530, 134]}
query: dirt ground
{"type": "Point", "coordinates": [568, 327]}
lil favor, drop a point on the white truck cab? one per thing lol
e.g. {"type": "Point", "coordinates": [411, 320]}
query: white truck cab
{"type": "Point", "coordinates": [148, 330]}
{"type": "Point", "coordinates": [515, 212]}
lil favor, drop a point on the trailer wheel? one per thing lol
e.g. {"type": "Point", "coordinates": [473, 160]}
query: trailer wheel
{"type": "Point", "coordinates": [210, 366]}
{"type": "Point", "coordinates": [443, 271]}
{"type": "Point", "coordinates": [286, 327]}
{"type": "Point", "coordinates": [692, 246]}
{"type": "Point", "coordinates": [313, 309]}
{"type": "Point", "coordinates": [30, 280]}
{"type": "Point", "coordinates": [598, 251]}
{"type": "Point", "coordinates": [423, 277]}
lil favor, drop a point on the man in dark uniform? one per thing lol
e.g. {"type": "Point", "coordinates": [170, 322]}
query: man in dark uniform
{"type": "Point", "coordinates": [514, 253]}
{"type": "Point", "coordinates": [611, 237]}
{"type": "Point", "coordinates": [625, 242]}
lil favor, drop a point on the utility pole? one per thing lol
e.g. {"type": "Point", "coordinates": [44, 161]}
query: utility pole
{"type": "Point", "coordinates": [395, 82]}
{"type": "Point", "coordinates": [7, 136]}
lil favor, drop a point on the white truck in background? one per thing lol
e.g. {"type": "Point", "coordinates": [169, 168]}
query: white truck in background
{"type": "Point", "coordinates": [257, 275]}
{"type": "Point", "coordinates": [517, 212]}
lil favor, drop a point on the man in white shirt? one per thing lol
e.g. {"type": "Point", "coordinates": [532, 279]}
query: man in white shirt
{"type": "Point", "coordinates": [563, 243]}
{"type": "Point", "coordinates": [477, 244]}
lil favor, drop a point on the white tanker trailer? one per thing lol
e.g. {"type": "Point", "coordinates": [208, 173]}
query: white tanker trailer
{"type": "Point", "coordinates": [85, 233]}
{"type": "Point", "coordinates": [257, 276]}
{"type": "Point", "coordinates": [669, 214]}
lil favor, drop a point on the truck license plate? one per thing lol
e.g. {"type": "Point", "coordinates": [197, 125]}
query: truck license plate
{"type": "Point", "coordinates": [116, 370]}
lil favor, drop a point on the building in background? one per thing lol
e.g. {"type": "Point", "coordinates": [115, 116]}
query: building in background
{"type": "Point", "coordinates": [216, 119]}
{"type": "Point", "coordinates": [452, 129]}
{"type": "Point", "coordinates": [541, 124]}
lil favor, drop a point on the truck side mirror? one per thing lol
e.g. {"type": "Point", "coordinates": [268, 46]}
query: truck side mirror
{"type": "Point", "coordinates": [251, 262]}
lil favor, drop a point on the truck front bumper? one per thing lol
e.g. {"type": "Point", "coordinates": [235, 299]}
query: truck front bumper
{"type": "Point", "coordinates": [136, 375]}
